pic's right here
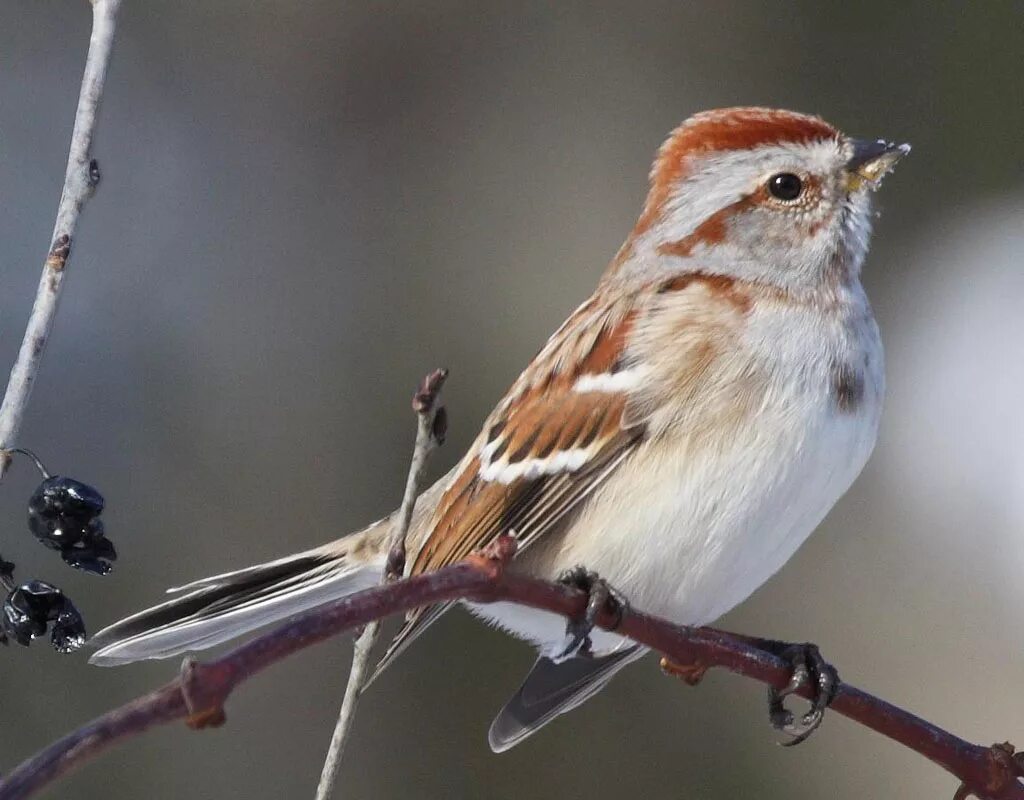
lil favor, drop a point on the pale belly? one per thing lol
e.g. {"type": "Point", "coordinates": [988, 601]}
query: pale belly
{"type": "Point", "coordinates": [695, 535]}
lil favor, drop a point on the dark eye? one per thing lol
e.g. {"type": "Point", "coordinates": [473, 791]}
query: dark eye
{"type": "Point", "coordinates": [785, 186]}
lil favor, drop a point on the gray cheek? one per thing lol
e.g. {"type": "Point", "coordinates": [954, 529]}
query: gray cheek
{"type": "Point", "coordinates": [766, 236]}
{"type": "Point", "coordinates": [789, 230]}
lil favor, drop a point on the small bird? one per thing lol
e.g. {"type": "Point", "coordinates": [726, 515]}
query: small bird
{"type": "Point", "coordinates": [680, 435]}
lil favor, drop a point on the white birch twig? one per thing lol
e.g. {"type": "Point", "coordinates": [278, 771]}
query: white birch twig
{"type": "Point", "coordinates": [430, 431]}
{"type": "Point", "coordinates": [80, 179]}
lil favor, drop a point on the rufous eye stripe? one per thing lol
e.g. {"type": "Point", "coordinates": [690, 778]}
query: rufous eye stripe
{"type": "Point", "coordinates": [719, 131]}
{"type": "Point", "coordinates": [710, 232]}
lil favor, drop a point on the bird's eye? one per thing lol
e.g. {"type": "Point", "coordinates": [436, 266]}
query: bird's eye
{"type": "Point", "coordinates": [785, 186]}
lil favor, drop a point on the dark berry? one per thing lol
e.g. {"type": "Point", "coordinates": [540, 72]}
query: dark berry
{"type": "Point", "coordinates": [33, 606]}
{"type": "Point", "coordinates": [63, 515]}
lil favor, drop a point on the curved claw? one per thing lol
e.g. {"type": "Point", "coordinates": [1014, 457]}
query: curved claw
{"type": "Point", "coordinates": [808, 665]}
{"type": "Point", "coordinates": [599, 596]}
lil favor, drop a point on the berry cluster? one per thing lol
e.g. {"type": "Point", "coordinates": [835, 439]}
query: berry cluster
{"type": "Point", "coordinates": [63, 514]}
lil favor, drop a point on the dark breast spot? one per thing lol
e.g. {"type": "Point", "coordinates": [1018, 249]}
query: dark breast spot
{"type": "Point", "coordinates": [847, 388]}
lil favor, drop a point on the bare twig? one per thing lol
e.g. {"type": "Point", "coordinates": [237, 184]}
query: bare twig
{"type": "Point", "coordinates": [80, 179]}
{"type": "Point", "coordinates": [431, 427]}
{"type": "Point", "coordinates": [430, 432]}
{"type": "Point", "coordinates": [199, 694]}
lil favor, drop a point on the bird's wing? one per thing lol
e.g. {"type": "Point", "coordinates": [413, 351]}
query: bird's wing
{"type": "Point", "coordinates": [558, 433]}
{"type": "Point", "coordinates": [625, 367]}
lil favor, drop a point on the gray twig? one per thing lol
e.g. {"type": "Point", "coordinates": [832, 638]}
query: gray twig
{"type": "Point", "coordinates": [430, 432]}
{"type": "Point", "coordinates": [80, 180]}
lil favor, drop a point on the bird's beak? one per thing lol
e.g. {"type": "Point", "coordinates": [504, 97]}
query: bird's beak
{"type": "Point", "coordinates": [871, 161]}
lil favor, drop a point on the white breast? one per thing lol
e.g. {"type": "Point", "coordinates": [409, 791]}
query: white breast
{"type": "Point", "coordinates": [689, 526]}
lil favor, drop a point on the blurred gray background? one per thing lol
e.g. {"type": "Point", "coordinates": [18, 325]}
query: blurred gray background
{"type": "Point", "coordinates": [305, 206]}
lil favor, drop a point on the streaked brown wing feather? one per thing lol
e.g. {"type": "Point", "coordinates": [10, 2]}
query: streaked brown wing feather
{"type": "Point", "coordinates": [536, 508]}
{"type": "Point", "coordinates": [518, 478]}
{"type": "Point", "coordinates": [514, 466]}
{"type": "Point", "coordinates": [475, 512]}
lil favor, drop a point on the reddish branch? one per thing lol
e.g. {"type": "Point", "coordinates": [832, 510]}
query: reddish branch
{"type": "Point", "coordinates": [197, 696]}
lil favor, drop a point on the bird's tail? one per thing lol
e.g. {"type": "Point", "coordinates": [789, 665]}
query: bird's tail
{"type": "Point", "coordinates": [214, 610]}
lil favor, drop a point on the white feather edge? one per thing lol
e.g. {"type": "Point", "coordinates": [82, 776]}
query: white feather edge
{"type": "Point", "coordinates": [563, 460]}
{"type": "Point", "coordinates": [201, 632]}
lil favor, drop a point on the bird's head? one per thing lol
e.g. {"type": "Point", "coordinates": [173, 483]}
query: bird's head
{"type": "Point", "coordinates": [759, 194]}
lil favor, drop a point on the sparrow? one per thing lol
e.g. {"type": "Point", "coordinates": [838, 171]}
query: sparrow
{"type": "Point", "coordinates": [681, 434]}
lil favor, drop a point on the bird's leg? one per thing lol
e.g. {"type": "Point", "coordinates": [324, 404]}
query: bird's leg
{"type": "Point", "coordinates": [808, 666]}
{"type": "Point", "coordinates": [599, 596]}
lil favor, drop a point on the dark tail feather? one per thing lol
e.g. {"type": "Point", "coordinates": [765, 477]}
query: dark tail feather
{"type": "Point", "coordinates": [214, 610]}
{"type": "Point", "coordinates": [551, 689]}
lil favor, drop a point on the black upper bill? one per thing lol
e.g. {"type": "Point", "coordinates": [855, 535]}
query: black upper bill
{"type": "Point", "coordinates": [870, 162]}
{"type": "Point", "coordinates": [866, 152]}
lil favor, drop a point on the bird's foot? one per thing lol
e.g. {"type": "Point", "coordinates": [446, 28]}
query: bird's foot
{"type": "Point", "coordinates": [600, 596]}
{"type": "Point", "coordinates": [808, 667]}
